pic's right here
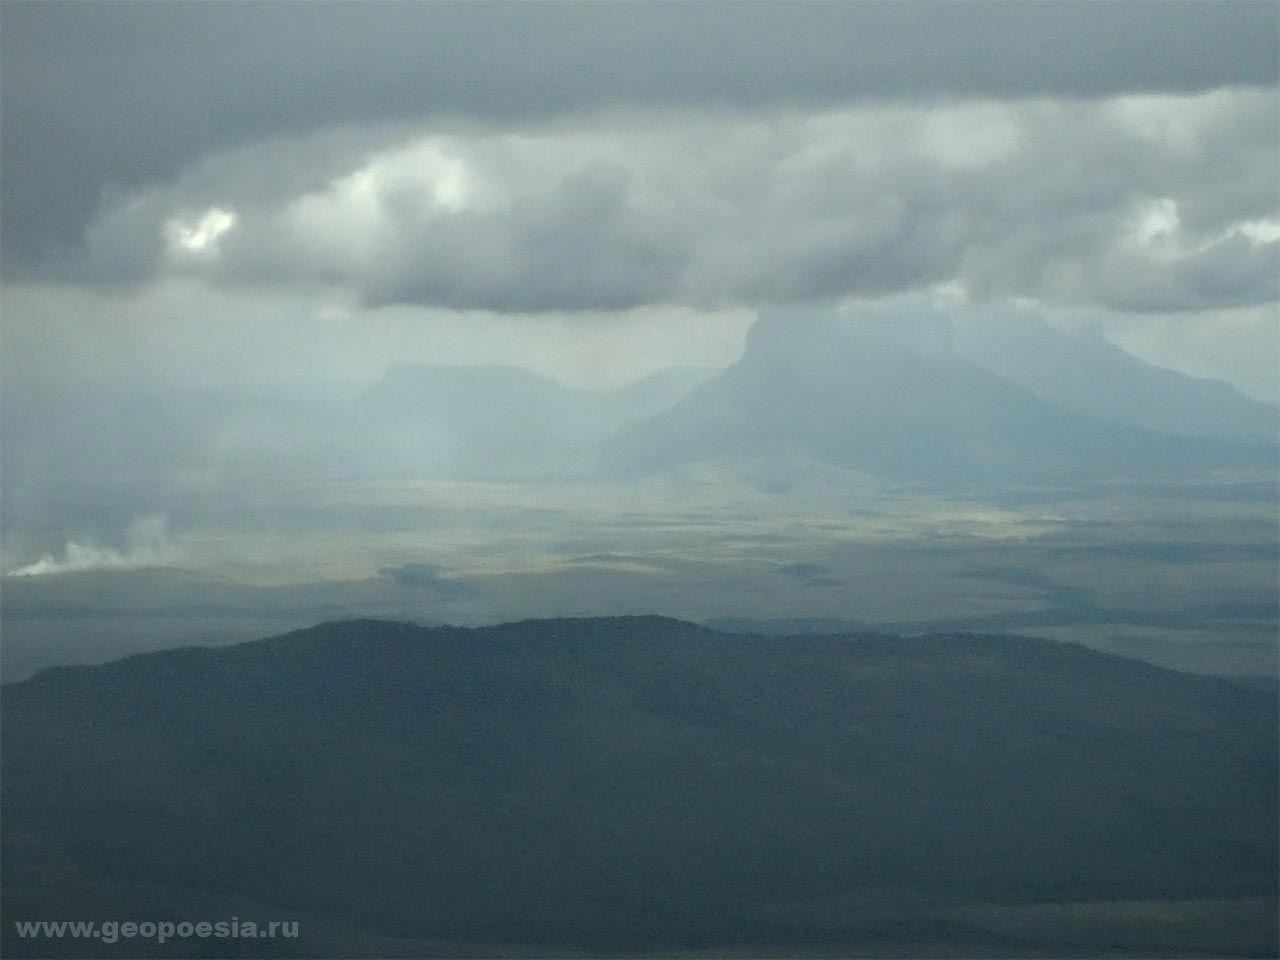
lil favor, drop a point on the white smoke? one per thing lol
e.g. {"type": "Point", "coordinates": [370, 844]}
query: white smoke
{"type": "Point", "coordinates": [147, 544]}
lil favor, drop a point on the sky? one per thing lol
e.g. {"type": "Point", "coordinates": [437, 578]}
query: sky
{"type": "Point", "coordinates": [229, 230]}
{"type": "Point", "coordinates": [237, 192]}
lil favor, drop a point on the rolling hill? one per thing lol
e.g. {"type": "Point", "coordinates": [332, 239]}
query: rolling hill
{"type": "Point", "coordinates": [643, 785]}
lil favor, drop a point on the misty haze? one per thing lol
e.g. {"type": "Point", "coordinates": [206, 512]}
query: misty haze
{"type": "Point", "coordinates": [641, 480]}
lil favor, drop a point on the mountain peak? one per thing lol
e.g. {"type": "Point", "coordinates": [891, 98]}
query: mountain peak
{"type": "Point", "coordinates": [890, 396]}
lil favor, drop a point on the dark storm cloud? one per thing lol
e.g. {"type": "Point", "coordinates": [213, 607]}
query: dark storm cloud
{"type": "Point", "coordinates": [101, 99]}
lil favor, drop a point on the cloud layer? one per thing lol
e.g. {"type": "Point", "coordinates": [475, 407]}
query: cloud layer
{"type": "Point", "coordinates": [1141, 203]}
{"type": "Point", "coordinates": [103, 99]}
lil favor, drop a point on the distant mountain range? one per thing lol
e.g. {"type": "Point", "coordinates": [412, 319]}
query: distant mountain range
{"type": "Point", "coordinates": [642, 785]}
{"type": "Point", "coordinates": [496, 421]}
{"type": "Point", "coordinates": [418, 420]}
{"type": "Point", "coordinates": [1089, 375]}
{"type": "Point", "coordinates": [895, 398]}
{"type": "Point", "coordinates": [973, 399]}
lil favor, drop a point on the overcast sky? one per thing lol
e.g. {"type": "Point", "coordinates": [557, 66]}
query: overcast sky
{"type": "Point", "coordinates": [221, 224]}
{"type": "Point", "coordinates": [235, 192]}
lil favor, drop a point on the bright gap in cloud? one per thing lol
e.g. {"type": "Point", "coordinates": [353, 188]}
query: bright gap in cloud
{"type": "Point", "coordinates": [1259, 231]}
{"type": "Point", "coordinates": [198, 239]}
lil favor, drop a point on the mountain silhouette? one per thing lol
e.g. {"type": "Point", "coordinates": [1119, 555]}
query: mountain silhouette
{"type": "Point", "coordinates": [895, 399]}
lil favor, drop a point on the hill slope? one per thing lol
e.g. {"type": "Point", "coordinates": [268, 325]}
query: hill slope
{"type": "Point", "coordinates": [629, 784]}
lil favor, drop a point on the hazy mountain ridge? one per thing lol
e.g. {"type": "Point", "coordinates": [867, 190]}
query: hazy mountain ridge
{"type": "Point", "coordinates": [438, 421]}
{"type": "Point", "coordinates": [893, 397]}
{"type": "Point", "coordinates": [970, 398]}
{"type": "Point", "coordinates": [501, 421]}
{"type": "Point", "coordinates": [634, 783]}
{"type": "Point", "coordinates": [1088, 374]}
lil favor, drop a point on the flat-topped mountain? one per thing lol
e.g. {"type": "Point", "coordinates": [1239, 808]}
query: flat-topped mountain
{"type": "Point", "coordinates": [641, 785]}
{"type": "Point", "coordinates": [896, 399]}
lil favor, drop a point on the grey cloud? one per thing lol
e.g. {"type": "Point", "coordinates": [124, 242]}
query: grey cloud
{"type": "Point", "coordinates": [103, 99]}
{"type": "Point", "coordinates": [1119, 203]}
{"type": "Point", "coordinates": [582, 245]}
{"type": "Point", "coordinates": [808, 574]}
{"type": "Point", "coordinates": [428, 577]}
{"type": "Point", "coordinates": [1231, 272]}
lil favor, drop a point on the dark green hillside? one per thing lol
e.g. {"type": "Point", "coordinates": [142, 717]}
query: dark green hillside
{"type": "Point", "coordinates": [634, 784]}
